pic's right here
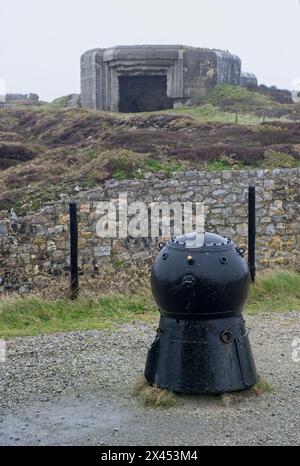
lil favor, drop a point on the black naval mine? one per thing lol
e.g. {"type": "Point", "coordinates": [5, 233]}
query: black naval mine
{"type": "Point", "coordinates": [200, 282]}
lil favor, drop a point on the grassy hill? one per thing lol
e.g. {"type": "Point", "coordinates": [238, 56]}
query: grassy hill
{"type": "Point", "coordinates": [47, 151]}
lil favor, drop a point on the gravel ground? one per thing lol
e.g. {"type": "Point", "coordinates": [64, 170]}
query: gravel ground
{"type": "Point", "coordinates": [75, 389]}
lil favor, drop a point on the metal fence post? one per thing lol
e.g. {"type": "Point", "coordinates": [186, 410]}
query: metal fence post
{"type": "Point", "coordinates": [73, 250]}
{"type": "Point", "coordinates": [251, 231]}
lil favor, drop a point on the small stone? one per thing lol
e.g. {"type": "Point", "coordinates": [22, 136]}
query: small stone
{"type": "Point", "coordinates": [102, 251]}
{"type": "Point", "coordinates": [269, 184]}
{"type": "Point", "coordinates": [270, 230]}
{"type": "Point", "coordinates": [51, 246]}
{"type": "Point", "coordinates": [3, 228]}
{"type": "Point", "coordinates": [242, 229]}
{"type": "Point", "coordinates": [230, 199]}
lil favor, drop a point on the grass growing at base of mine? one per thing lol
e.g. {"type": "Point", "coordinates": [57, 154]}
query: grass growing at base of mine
{"type": "Point", "coordinates": [274, 291]}
{"type": "Point", "coordinates": [152, 396]}
{"type": "Point", "coordinates": [261, 387]}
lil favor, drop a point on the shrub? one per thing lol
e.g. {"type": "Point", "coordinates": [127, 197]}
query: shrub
{"type": "Point", "coordinates": [277, 159]}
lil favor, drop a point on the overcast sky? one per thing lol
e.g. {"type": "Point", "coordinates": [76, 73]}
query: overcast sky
{"type": "Point", "coordinates": [41, 40]}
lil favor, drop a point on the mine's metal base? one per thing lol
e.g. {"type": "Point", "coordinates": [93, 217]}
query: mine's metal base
{"type": "Point", "coordinates": [194, 356]}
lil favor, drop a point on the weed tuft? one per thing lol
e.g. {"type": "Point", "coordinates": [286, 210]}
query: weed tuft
{"type": "Point", "coordinates": [152, 396]}
{"type": "Point", "coordinates": [261, 387]}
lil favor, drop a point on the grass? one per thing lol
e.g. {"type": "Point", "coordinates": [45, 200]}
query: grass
{"type": "Point", "coordinates": [152, 396]}
{"type": "Point", "coordinates": [224, 93]}
{"type": "Point", "coordinates": [60, 102]}
{"type": "Point", "coordinates": [34, 315]}
{"type": "Point", "coordinates": [261, 387]}
{"type": "Point", "coordinates": [225, 163]}
{"type": "Point", "coordinates": [225, 100]}
{"type": "Point", "coordinates": [275, 291]}
{"type": "Point", "coordinates": [210, 113]}
{"type": "Point", "coordinates": [167, 167]}
{"type": "Point", "coordinates": [279, 159]}
{"type": "Point", "coordinates": [124, 166]}
{"type": "Point", "coordinates": [252, 108]}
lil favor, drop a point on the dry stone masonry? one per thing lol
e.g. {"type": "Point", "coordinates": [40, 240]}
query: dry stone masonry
{"type": "Point", "coordinates": [35, 248]}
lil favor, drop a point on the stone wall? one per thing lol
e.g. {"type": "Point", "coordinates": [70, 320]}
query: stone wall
{"type": "Point", "coordinates": [36, 247]}
{"type": "Point", "coordinates": [32, 98]}
{"type": "Point", "coordinates": [15, 100]}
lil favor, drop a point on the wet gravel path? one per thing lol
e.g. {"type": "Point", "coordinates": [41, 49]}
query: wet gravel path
{"type": "Point", "coordinates": [75, 389]}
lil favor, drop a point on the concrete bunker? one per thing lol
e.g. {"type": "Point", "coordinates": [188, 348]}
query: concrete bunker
{"type": "Point", "coordinates": [153, 77]}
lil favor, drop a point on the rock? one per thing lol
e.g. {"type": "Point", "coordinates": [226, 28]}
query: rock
{"type": "Point", "coordinates": [270, 230]}
{"type": "Point", "coordinates": [3, 228]}
{"type": "Point", "coordinates": [102, 251]}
